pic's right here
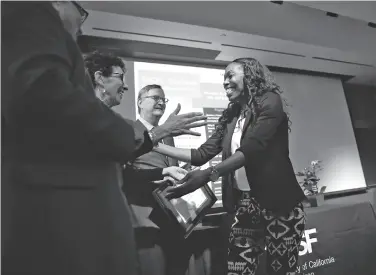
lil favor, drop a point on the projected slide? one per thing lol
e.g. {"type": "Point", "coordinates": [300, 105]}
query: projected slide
{"type": "Point", "coordinates": [196, 89]}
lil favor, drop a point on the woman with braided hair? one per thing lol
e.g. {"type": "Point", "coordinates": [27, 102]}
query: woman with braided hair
{"type": "Point", "coordinates": [258, 180]}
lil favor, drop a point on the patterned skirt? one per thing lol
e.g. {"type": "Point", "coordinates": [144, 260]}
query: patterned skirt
{"type": "Point", "coordinates": [255, 230]}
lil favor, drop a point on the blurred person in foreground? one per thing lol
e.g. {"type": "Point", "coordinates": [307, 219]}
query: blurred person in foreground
{"type": "Point", "coordinates": [62, 209]}
{"type": "Point", "coordinates": [258, 181]}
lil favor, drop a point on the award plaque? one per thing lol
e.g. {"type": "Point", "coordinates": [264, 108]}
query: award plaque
{"type": "Point", "coordinates": [188, 210]}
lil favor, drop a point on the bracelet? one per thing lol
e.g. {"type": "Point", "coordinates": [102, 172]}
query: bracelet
{"type": "Point", "coordinates": [214, 174]}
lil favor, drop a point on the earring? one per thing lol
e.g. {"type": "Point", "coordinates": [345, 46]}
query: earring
{"type": "Point", "coordinates": [100, 92]}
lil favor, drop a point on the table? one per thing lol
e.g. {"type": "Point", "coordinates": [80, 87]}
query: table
{"type": "Point", "coordinates": [339, 240]}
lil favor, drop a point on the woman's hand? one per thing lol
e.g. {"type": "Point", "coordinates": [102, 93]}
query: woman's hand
{"type": "Point", "coordinates": [172, 174]}
{"type": "Point", "coordinates": [177, 125]}
{"type": "Point", "coordinates": [175, 172]}
{"type": "Point", "coordinates": [191, 182]}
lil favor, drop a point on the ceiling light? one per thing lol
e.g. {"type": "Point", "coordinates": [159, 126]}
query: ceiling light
{"type": "Point", "coordinates": [372, 25]}
{"type": "Point", "coordinates": [332, 14]}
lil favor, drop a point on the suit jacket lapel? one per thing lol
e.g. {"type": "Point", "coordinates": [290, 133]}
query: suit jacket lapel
{"type": "Point", "coordinates": [228, 137]}
{"type": "Point", "coordinates": [139, 126]}
{"type": "Point", "coordinates": [227, 179]}
{"type": "Point", "coordinates": [248, 120]}
{"type": "Point", "coordinates": [170, 141]}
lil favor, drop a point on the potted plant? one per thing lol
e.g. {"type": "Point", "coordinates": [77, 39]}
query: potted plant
{"type": "Point", "coordinates": [308, 182]}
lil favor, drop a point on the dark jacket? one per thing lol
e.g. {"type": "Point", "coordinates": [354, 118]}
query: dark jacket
{"type": "Point", "coordinates": [64, 212]}
{"type": "Point", "coordinates": [265, 145]}
{"type": "Point", "coordinates": [139, 193]}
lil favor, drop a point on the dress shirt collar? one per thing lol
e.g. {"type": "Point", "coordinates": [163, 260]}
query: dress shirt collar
{"type": "Point", "coordinates": [146, 124]}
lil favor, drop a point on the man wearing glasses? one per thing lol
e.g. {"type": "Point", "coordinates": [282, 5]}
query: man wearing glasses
{"type": "Point", "coordinates": [62, 208]}
{"type": "Point", "coordinates": [160, 251]}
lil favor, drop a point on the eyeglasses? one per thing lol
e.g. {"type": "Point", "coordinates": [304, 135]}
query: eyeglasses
{"type": "Point", "coordinates": [158, 98]}
{"type": "Point", "coordinates": [119, 76]}
{"type": "Point", "coordinates": [84, 14]}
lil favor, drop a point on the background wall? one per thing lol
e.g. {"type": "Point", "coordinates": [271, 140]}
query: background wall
{"type": "Point", "coordinates": [127, 108]}
{"type": "Point", "coordinates": [322, 130]}
{"type": "Point", "coordinates": [361, 100]}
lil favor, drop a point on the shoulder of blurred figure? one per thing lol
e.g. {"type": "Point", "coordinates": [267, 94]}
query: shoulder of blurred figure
{"type": "Point", "coordinates": [15, 11]}
{"type": "Point", "coordinates": [14, 8]}
{"type": "Point", "coordinates": [17, 15]}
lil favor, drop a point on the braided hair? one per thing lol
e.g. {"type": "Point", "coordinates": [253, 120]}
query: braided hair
{"type": "Point", "coordinates": [257, 81]}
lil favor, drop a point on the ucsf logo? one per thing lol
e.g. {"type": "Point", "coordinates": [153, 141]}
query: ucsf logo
{"type": "Point", "coordinates": [307, 241]}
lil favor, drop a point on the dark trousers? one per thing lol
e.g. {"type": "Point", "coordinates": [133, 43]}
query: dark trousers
{"type": "Point", "coordinates": [255, 230]}
{"type": "Point", "coordinates": [161, 252]}
{"type": "Point", "coordinates": [63, 231]}
{"type": "Point", "coordinates": [151, 257]}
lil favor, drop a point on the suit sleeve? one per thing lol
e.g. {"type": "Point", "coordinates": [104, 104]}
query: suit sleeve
{"type": "Point", "coordinates": [143, 174]}
{"type": "Point", "coordinates": [257, 138]}
{"type": "Point", "coordinates": [207, 151]}
{"type": "Point", "coordinates": [41, 87]}
{"type": "Point", "coordinates": [140, 180]}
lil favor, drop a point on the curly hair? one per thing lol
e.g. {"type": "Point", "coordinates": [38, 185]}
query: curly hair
{"type": "Point", "coordinates": [257, 81]}
{"type": "Point", "coordinates": [103, 62]}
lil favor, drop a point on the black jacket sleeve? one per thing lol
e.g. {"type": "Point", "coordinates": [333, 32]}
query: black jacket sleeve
{"type": "Point", "coordinates": [207, 151]}
{"type": "Point", "coordinates": [142, 174]}
{"type": "Point", "coordinates": [140, 181]}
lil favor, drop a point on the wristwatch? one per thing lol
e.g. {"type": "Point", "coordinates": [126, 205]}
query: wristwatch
{"type": "Point", "coordinates": [214, 174]}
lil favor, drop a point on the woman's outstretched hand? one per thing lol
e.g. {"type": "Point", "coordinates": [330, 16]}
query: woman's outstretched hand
{"type": "Point", "coordinates": [191, 182]}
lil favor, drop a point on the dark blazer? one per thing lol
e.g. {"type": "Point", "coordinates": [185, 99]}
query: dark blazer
{"type": "Point", "coordinates": [64, 211]}
{"type": "Point", "coordinates": [265, 145]}
{"type": "Point", "coordinates": [139, 193]}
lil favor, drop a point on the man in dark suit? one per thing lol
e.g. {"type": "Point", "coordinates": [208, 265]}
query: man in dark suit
{"type": "Point", "coordinates": [154, 235]}
{"type": "Point", "coordinates": [62, 209]}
